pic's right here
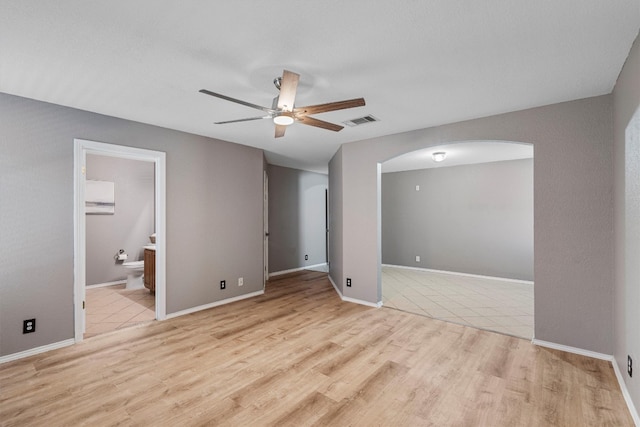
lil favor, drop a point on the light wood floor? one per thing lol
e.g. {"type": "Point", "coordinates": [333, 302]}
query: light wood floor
{"type": "Point", "coordinates": [300, 356]}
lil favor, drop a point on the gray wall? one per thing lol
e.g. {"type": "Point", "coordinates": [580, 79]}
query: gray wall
{"type": "Point", "coordinates": [214, 215]}
{"type": "Point", "coordinates": [474, 219]}
{"type": "Point", "coordinates": [573, 213]}
{"type": "Point", "coordinates": [336, 239]}
{"type": "Point", "coordinates": [131, 224]}
{"type": "Point", "coordinates": [296, 218]}
{"type": "Point", "coordinates": [626, 98]}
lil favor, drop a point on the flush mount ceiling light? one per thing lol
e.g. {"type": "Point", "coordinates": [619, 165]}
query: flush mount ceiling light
{"type": "Point", "coordinates": [283, 119]}
{"type": "Point", "coordinates": [439, 156]}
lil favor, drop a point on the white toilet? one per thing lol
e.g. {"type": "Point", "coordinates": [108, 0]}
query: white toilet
{"type": "Point", "coordinates": [135, 270]}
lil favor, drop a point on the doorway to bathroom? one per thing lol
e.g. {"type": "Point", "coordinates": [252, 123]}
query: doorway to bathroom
{"type": "Point", "coordinates": [114, 236]}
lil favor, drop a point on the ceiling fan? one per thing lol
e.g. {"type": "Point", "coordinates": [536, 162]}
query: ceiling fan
{"type": "Point", "coordinates": [283, 110]}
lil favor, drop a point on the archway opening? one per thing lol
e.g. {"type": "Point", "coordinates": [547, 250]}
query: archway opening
{"type": "Point", "coordinates": [457, 234]}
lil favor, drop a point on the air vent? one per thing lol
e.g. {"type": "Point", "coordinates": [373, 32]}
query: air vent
{"type": "Point", "coordinates": [361, 120]}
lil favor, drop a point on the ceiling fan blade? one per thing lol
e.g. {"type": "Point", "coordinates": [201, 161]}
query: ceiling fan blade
{"type": "Point", "coordinates": [242, 120]}
{"type": "Point", "coordinates": [237, 101]}
{"type": "Point", "coordinates": [331, 106]}
{"type": "Point", "coordinates": [280, 130]}
{"type": "Point", "coordinates": [288, 88]}
{"type": "Point", "coordinates": [319, 123]}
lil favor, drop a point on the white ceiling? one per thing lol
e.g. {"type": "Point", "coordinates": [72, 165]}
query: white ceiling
{"type": "Point", "coordinates": [461, 153]}
{"type": "Point", "coordinates": [416, 63]}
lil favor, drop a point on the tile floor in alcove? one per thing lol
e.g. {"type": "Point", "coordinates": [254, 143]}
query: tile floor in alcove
{"type": "Point", "coordinates": [113, 307]}
{"type": "Point", "coordinates": [495, 305]}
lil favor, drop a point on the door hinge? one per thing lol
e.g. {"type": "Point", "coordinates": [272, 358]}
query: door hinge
{"type": "Point", "coordinates": [83, 305]}
{"type": "Point", "coordinates": [84, 170]}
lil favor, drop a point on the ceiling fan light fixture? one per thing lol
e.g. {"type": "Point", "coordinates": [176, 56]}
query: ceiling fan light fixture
{"type": "Point", "coordinates": [283, 119]}
{"type": "Point", "coordinates": [283, 111]}
{"type": "Point", "coordinates": [439, 156]}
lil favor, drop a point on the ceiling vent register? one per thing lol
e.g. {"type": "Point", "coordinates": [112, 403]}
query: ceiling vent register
{"type": "Point", "coordinates": [361, 121]}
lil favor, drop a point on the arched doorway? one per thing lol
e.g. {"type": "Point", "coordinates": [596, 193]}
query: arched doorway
{"type": "Point", "coordinates": [457, 234]}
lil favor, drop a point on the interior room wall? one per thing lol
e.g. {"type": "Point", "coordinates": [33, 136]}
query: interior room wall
{"type": "Point", "coordinates": [129, 226]}
{"type": "Point", "coordinates": [214, 215]}
{"type": "Point", "coordinates": [336, 238]}
{"type": "Point", "coordinates": [626, 103]}
{"type": "Point", "coordinates": [573, 213]}
{"type": "Point", "coordinates": [475, 219]}
{"type": "Point", "coordinates": [296, 218]}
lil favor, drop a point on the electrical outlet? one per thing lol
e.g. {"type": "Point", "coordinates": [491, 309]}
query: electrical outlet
{"type": "Point", "coordinates": [629, 366]}
{"type": "Point", "coordinates": [348, 282]}
{"type": "Point", "coordinates": [306, 257]}
{"type": "Point", "coordinates": [29, 326]}
{"type": "Point", "coordinates": [240, 281]}
{"type": "Point", "coordinates": [417, 258]}
{"type": "Point", "coordinates": [223, 284]}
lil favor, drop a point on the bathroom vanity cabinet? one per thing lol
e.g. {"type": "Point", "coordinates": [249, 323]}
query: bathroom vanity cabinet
{"type": "Point", "coordinates": [150, 269]}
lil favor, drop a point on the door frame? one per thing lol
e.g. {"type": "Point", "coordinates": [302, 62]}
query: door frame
{"type": "Point", "coordinates": [265, 219]}
{"type": "Point", "coordinates": [81, 148]}
{"type": "Point", "coordinates": [326, 225]}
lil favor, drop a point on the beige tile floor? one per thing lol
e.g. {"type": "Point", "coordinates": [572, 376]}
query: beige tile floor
{"type": "Point", "coordinates": [113, 307]}
{"type": "Point", "coordinates": [495, 305]}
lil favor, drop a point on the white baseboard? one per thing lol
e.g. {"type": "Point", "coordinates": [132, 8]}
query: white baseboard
{"type": "Point", "coordinates": [293, 270]}
{"type": "Point", "coordinates": [602, 356]}
{"type": "Point", "coordinates": [334, 286]}
{"type": "Point", "coordinates": [574, 350]}
{"type": "Point", "coordinates": [455, 273]}
{"type": "Point", "coordinates": [322, 264]}
{"type": "Point", "coordinates": [54, 346]}
{"type": "Point", "coordinates": [362, 302]}
{"type": "Point", "coordinates": [37, 350]}
{"type": "Point", "coordinates": [105, 284]}
{"type": "Point", "coordinates": [280, 273]}
{"type": "Point", "coordinates": [214, 304]}
{"type": "Point", "coordinates": [354, 300]}
{"type": "Point", "coordinates": [625, 393]}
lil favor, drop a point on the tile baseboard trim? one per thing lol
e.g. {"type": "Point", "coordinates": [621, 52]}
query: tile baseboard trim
{"type": "Point", "coordinates": [105, 284]}
{"type": "Point", "coordinates": [36, 350]}
{"type": "Point", "coordinates": [353, 300]}
{"type": "Point", "coordinates": [293, 270]}
{"type": "Point", "coordinates": [214, 304]}
{"type": "Point", "coordinates": [601, 356]}
{"type": "Point", "coordinates": [455, 273]}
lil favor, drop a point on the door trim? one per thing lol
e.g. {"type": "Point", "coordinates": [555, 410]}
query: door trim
{"type": "Point", "coordinates": [265, 220]}
{"type": "Point", "coordinates": [81, 148]}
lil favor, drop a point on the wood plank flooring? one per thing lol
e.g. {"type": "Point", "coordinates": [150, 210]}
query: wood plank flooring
{"type": "Point", "coordinates": [299, 356]}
